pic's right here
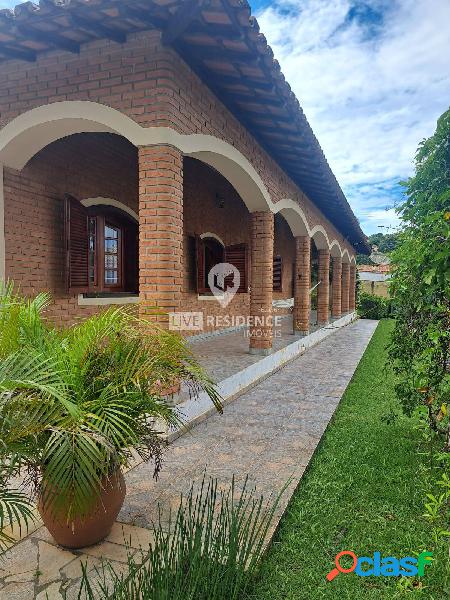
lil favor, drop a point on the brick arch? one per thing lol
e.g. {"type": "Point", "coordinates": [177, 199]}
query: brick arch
{"type": "Point", "coordinates": [27, 134]}
{"type": "Point", "coordinates": [335, 249]}
{"type": "Point", "coordinates": [111, 202]}
{"type": "Point", "coordinates": [320, 237]}
{"type": "Point", "coordinates": [295, 217]}
{"type": "Point", "coordinates": [346, 258]}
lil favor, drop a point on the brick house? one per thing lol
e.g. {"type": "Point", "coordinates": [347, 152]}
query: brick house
{"type": "Point", "coordinates": [142, 142]}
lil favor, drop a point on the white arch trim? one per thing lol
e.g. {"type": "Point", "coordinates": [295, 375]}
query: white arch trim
{"type": "Point", "coordinates": [208, 234]}
{"type": "Point", "coordinates": [110, 202]}
{"type": "Point", "coordinates": [31, 131]}
{"type": "Point", "coordinates": [298, 223]}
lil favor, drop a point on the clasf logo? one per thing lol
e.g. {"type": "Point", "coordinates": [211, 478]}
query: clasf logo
{"type": "Point", "coordinates": [390, 566]}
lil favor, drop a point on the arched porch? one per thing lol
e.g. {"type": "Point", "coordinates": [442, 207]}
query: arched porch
{"type": "Point", "coordinates": [157, 169]}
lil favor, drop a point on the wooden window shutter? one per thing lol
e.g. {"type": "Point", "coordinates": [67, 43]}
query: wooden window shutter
{"type": "Point", "coordinates": [76, 245]}
{"type": "Point", "coordinates": [277, 274]}
{"type": "Point", "coordinates": [237, 256]}
{"type": "Point", "coordinates": [191, 263]}
{"type": "Point", "coordinates": [200, 252]}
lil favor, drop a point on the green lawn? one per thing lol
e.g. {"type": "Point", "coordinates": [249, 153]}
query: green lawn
{"type": "Point", "coordinates": [364, 491]}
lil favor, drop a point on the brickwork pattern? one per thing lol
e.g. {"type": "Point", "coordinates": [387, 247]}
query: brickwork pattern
{"type": "Point", "coordinates": [345, 287]}
{"type": "Point", "coordinates": [84, 165]}
{"type": "Point", "coordinates": [323, 291]}
{"type": "Point", "coordinates": [151, 84]}
{"type": "Point", "coordinates": [302, 301]}
{"type": "Point", "coordinates": [261, 279]}
{"type": "Point", "coordinates": [352, 288]}
{"type": "Point", "coordinates": [336, 287]}
{"type": "Point", "coordinates": [160, 230]}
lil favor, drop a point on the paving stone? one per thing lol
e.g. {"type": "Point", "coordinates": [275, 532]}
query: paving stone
{"type": "Point", "coordinates": [74, 569]}
{"type": "Point", "coordinates": [109, 551]}
{"type": "Point", "coordinates": [20, 563]}
{"type": "Point", "coordinates": [17, 591]}
{"type": "Point", "coordinates": [99, 577]}
{"type": "Point", "coordinates": [51, 592]}
{"type": "Point", "coordinates": [51, 560]}
{"type": "Point", "coordinates": [269, 433]}
{"type": "Point", "coordinates": [135, 537]}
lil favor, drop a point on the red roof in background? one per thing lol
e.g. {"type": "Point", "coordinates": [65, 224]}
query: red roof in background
{"type": "Point", "coordinates": [374, 268]}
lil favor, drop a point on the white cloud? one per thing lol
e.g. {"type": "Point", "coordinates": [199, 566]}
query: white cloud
{"type": "Point", "coordinates": [372, 89]}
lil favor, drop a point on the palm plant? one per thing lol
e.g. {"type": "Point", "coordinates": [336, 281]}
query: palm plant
{"type": "Point", "coordinates": [15, 506]}
{"type": "Point", "coordinates": [74, 404]}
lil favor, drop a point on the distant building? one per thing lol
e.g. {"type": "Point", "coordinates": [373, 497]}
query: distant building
{"type": "Point", "coordinates": [375, 279]}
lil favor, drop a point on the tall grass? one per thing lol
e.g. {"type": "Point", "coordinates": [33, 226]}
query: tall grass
{"type": "Point", "coordinates": [209, 551]}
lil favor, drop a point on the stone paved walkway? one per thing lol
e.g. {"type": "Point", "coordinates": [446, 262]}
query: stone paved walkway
{"type": "Point", "coordinates": [212, 350]}
{"type": "Point", "coordinates": [269, 433]}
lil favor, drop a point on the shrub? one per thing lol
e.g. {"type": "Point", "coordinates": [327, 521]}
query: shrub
{"type": "Point", "coordinates": [75, 403]}
{"type": "Point", "coordinates": [373, 307]}
{"type": "Point", "coordinates": [420, 285]}
{"type": "Point", "coordinates": [210, 551]}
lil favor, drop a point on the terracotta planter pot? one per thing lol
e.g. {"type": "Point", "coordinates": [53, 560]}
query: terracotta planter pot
{"type": "Point", "coordinates": [168, 390]}
{"type": "Point", "coordinates": [96, 526]}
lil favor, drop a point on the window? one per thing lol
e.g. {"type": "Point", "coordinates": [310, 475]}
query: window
{"type": "Point", "coordinates": [210, 252]}
{"type": "Point", "coordinates": [102, 249]}
{"type": "Point", "coordinates": [277, 274]}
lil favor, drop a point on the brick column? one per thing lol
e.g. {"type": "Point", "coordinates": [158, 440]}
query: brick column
{"type": "Point", "coordinates": [323, 291]}
{"type": "Point", "coordinates": [302, 284]}
{"type": "Point", "coordinates": [336, 292]}
{"type": "Point", "coordinates": [261, 284]}
{"type": "Point", "coordinates": [160, 230]}
{"type": "Point", "coordinates": [345, 287]}
{"type": "Point", "coordinates": [352, 289]}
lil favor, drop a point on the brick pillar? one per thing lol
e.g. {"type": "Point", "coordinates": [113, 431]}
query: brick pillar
{"type": "Point", "coordinates": [352, 289]}
{"type": "Point", "coordinates": [336, 293]}
{"type": "Point", "coordinates": [323, 291]}
{"type": "Point", "coordinates": [160, 230]}
{"type": "Point", "coordinates": [302, 284]}
{"type": "Point", "coordinates": [261, 284]}
{"type": "Point", "coordinates": [345, 287]}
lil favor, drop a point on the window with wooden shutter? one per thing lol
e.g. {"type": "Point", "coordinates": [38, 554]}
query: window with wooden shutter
{"type": "Point", "coordinates": [210, 253]}
{"type": "Point", "coordinates": [237, 256]}
{"type": "Point", "coordinates": [277, 274]}
{"type": "Point", "coordinates": [101, 250]}
{"type": "Point", "coordinates": [76, 238]}
{"type": "Point", "coordinates": [200, 251]}
{"type": "Point", "coordinates": [191, 263]}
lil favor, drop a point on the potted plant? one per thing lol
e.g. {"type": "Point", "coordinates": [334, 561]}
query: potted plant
{"type": "Point", "coordinates": [75, 404]}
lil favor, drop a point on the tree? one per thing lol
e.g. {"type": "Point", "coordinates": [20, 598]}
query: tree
{"type": "Point", "coordinates": [420, 284]}
{"type": "Point", "coordinates": [386, 242]}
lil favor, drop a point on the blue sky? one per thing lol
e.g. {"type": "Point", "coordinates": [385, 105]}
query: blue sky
{"type": "Point", "coordinates": [372, 77]}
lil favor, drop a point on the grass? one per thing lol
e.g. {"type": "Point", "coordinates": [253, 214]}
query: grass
{"type": "Point", "coordinates": [364, 491]}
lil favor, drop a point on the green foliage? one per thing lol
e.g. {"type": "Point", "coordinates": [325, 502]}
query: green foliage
{"type": "Point", "coordinates": [386, 242]}
{"type": "Point", "coordinates": [363, 259]}
{"type": "Point", "coordinates": [15, 506]}
{"type": "Point", "coordinates": [373, 307]}
{"type": "Point", "coordinates": [75, 403]}
{"type": "Point", "coordinates": [363, 491]}
{"type": "Point", "coordinates": [420, 285]}
{"type": "Point", "coordinates": [210, 551]}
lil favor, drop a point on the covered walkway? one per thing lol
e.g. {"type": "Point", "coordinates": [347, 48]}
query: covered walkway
{"type": "Point", "coordinates": [269, 432]}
